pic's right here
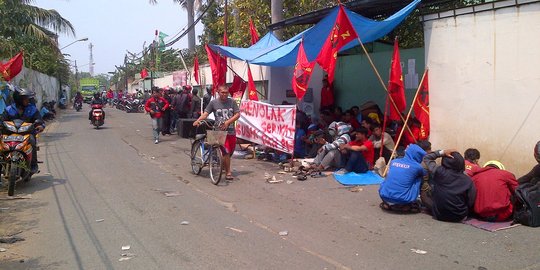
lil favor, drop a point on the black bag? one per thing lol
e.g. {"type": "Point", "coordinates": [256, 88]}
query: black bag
{"type": "Point", "coordinates": [527, 204]}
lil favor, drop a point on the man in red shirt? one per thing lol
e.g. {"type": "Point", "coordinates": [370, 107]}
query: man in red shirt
{"type": "Point", "coordinates": [156, 105]}
{"type": "Point", "coordinates": [350, 119]}
{"type": "Point", "coordinates": [327, 96]}
{"type": "Point", "coordinates": [360, 153]}
{"type": "Point", "coordinates": [494, 188]}
{"type": "Point", "coordinates": [471, 160]}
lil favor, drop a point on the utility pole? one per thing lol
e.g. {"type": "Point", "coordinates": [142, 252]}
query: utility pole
{"type": "Point", "coordinates": [76, 76]}
{"type": "Point", "coordinates": [91, 68]}
{"type": "Point", "coordinates": [276, 7]}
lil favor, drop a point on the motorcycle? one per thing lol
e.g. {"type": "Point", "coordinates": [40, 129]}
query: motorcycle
{"type": "Point", "coordinates": [97, 115]}
{"type": "Point", "coordinates": [132, 105]}
{"type": "Point", "coordinates": [62, 103]}
{"type": "Point", "coordinates": [16, 155]}
{"type": "Point", "coordinates": [78, 106]}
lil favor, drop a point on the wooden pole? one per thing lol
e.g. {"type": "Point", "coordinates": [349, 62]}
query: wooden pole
{"type": "Point", "coordinates": [383, 85]}
{"type": "Point", "coordinates": [405, 124]}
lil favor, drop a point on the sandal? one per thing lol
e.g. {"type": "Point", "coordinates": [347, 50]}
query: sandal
{"type": "Point", "coordinates": [301, 177]}
{"type": "Point", "coordinates": [385, 206]}
{"type": "Point", "coordinates": [229, 177]}
{"type": "Point", "coordinates": [317, 174]}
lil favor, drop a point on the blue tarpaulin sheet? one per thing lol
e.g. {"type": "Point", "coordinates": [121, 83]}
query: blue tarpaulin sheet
{"type": "Point", "coordinates": [357, 179]}
{"type": "Point", "coordinates": [269, 51]}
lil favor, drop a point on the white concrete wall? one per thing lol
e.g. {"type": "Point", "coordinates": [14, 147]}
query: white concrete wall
{"type": "Point", "coordinates": [485, 83]}
{"type": "Point", "coordinates": [45, 87]}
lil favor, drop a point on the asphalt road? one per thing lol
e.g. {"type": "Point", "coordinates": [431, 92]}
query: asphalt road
{"type": "Point", "coordinates": [100, 190]}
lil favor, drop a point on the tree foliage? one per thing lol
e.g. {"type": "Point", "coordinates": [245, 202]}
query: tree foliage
{"type": "Point", "coordinates": [32, 29]}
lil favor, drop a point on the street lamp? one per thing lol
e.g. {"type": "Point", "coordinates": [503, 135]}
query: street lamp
{"type": "Point", "coordinates": [82, 39]}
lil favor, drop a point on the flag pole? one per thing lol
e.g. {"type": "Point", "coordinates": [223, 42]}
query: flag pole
{"type": "Point", "coordinates": [384, 86]}
{"type": "Point", "coordinates": [405, 124]}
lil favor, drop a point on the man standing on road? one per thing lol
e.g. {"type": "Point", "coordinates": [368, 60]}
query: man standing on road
{"type": "Point", "coordinates": [226, 112]}
{"type": "Point", "coordinates": [156, 105]}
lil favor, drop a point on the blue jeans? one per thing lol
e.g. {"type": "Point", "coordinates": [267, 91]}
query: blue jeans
{"type": "Point", "coordinates": [356, 162]}
{"type": "Point", "coordinates": [156, 127]}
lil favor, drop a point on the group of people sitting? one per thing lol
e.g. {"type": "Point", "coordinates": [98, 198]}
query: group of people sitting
{"type": "Point", "coordinates": [456, 189]}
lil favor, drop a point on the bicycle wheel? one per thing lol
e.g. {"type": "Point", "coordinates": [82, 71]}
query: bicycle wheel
{"type": "Point", "coordinates": [215, 161]}
{"type": "Point", "coordinates": [196, 157]}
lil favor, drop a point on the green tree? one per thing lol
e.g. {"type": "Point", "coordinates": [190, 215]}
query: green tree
{"type": "Point", "coordinates": [32, 29]}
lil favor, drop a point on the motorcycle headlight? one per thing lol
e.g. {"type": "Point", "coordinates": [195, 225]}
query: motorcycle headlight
{"type": "Point", "coordinates": [24, 128]}
{"type": "Point", "coordinates": [10, 128]}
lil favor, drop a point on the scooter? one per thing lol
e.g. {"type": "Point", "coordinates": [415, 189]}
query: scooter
{"type": "Point", "coordinates": [97, 119]}
{"type": "Point", "coordinates": [16, 155]}
{"type": "Point", "coordinates": [78, 106]}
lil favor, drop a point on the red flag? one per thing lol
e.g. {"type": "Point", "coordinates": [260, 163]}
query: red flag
{"type": "Point", "coordinates": [12, 67]}
{"type": "Point", "coordinates": [421, 109]}
{"type": "Point", "coordinates": [253, 31]}
{"type": "Point", "coordinates": [302, 73]}
{"type": "Point", "coordinates": [396, 87]}
{"type": "Point", "coordinates": [251, 87]}
{"type": "Point", "coordinates": [196, 69]}
{"type": "Point", "coordinates": [342, 33]}
{"type": "Point", "coordinates": [225, 40]}
{"type": "Point", "coordinates": [216, 65]}
{"type": "Point", "coordinates": [238, 85]}
{"type": "Point", "coordinates": [144, 73]}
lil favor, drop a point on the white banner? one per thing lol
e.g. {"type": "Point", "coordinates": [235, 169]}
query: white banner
{"type": "Point", "coordinates": [269, 125]}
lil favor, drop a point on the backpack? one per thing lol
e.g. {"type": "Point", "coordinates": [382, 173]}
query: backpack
{"type": "Point", "coordinates": [527, 204]}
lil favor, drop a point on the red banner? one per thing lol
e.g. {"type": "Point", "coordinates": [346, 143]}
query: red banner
{"type": "Point", "coordinates": [253, 31]}
{"type": "Point", "coordinates": [302, 73]}
{"type": "Point", "coordinates": [12, 67]}
{"type": "Point", "coordinates": [421, 109]}
{"type": "Point", "coordinates": [238, 86]}
{"type": "Point", "coordinates": [396, 87]}
{"type": "Point", "coordinates": [251, 87]}
{"type": "Point", "coordinates": [342, 33]}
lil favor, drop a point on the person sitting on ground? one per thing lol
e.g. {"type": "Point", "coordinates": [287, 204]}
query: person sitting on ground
{"type": "Point", "coordinates": [329, 154]}
{"type": "Point", "coordinates": [453, 191]}
{"type": "Point", "coordinates": [534, 175]}
{"type": "Point", "coordinates": [471, 160]}
{"type": "Point", "coordinates": [380, 141]}
{"type": "Point", "coordinates": [367, 123]}
{"type": "Point", "coordinates": [45, 113]}
{"type": "Point", "coordinates": [400, 190]}
{"type": "Point", "coordinates": [349, 118]}
{"type": "Point", "coordinates": [494, 188]}
{"type": "Point", "coordinates": [357, 115]}
{"type": "Point", "coordinates": [312, 140]}
{"type": "Point", "coordinates": [426, 187]}
{"type": "Point", "coordinates": [358, 153]}
{"type": "Point", "coordinates": [299, 141]}
{"type": "Point", "coordinates": [338, 114]}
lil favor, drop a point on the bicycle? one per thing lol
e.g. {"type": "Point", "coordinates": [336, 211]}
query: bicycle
{"type": "Point", "coordinates": [206, 151]}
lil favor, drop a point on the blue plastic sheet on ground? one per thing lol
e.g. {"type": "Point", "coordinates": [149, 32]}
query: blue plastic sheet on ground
{"type": "Point", "coordinates": [358, 179]}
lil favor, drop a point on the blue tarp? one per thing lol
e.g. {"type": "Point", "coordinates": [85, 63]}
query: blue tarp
{"type": "Point", "coordinates": [269, 51]}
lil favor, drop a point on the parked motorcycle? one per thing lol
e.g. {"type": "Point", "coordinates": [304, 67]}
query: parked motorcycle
{"type": "Point", "coordinates": [78, 106]}
{"type": "Point", "coordinates": [132, 105]}
{"type": "Point", "coordinates": [16, 155]}
{"type": "Point", "coordinates": [97, 115]}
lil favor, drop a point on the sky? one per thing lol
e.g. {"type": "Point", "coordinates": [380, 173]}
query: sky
{"type": "Point", "coordinates": [114, 26]}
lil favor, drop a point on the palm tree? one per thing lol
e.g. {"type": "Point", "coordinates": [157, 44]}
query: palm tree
{"type": "Point", "coordinates": [189, 6]}
{"type": "Point", "coordinates": [19, 17]}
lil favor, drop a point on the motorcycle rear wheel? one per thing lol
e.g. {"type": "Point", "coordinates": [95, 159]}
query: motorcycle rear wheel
{"type": "Point", "coordinates": [12, 179]}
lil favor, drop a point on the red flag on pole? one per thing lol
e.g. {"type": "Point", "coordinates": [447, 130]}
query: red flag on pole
{"type": "Point", "coordinates": [421, 109]}
{"type": "Point", "coordinates": [302, 73]}
{"type": "Point", "coordinates": [396, 87]}
{"type": "Point", "coordinates": [342, 33]}
{"type": "Point", "coordinates": [253, 31]}
{"type": "Point", "coordinates": [218, 65]}
{"type": "Point", "coordinates": [12, 67]}
{"type": "Point", "coordinates": [196, 69]}
{"type": "Point", "coordinates": [144, 73]}
{"type": "Point", "coordinates": [251, 87]}
{"type": "Point", "coordinates": [238, 85]}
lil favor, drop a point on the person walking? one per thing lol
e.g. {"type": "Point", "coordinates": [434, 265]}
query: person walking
{"type": "Point", "coordinates": [226, 112]}
{"type": "Point", "coordinates": [155, 106]}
